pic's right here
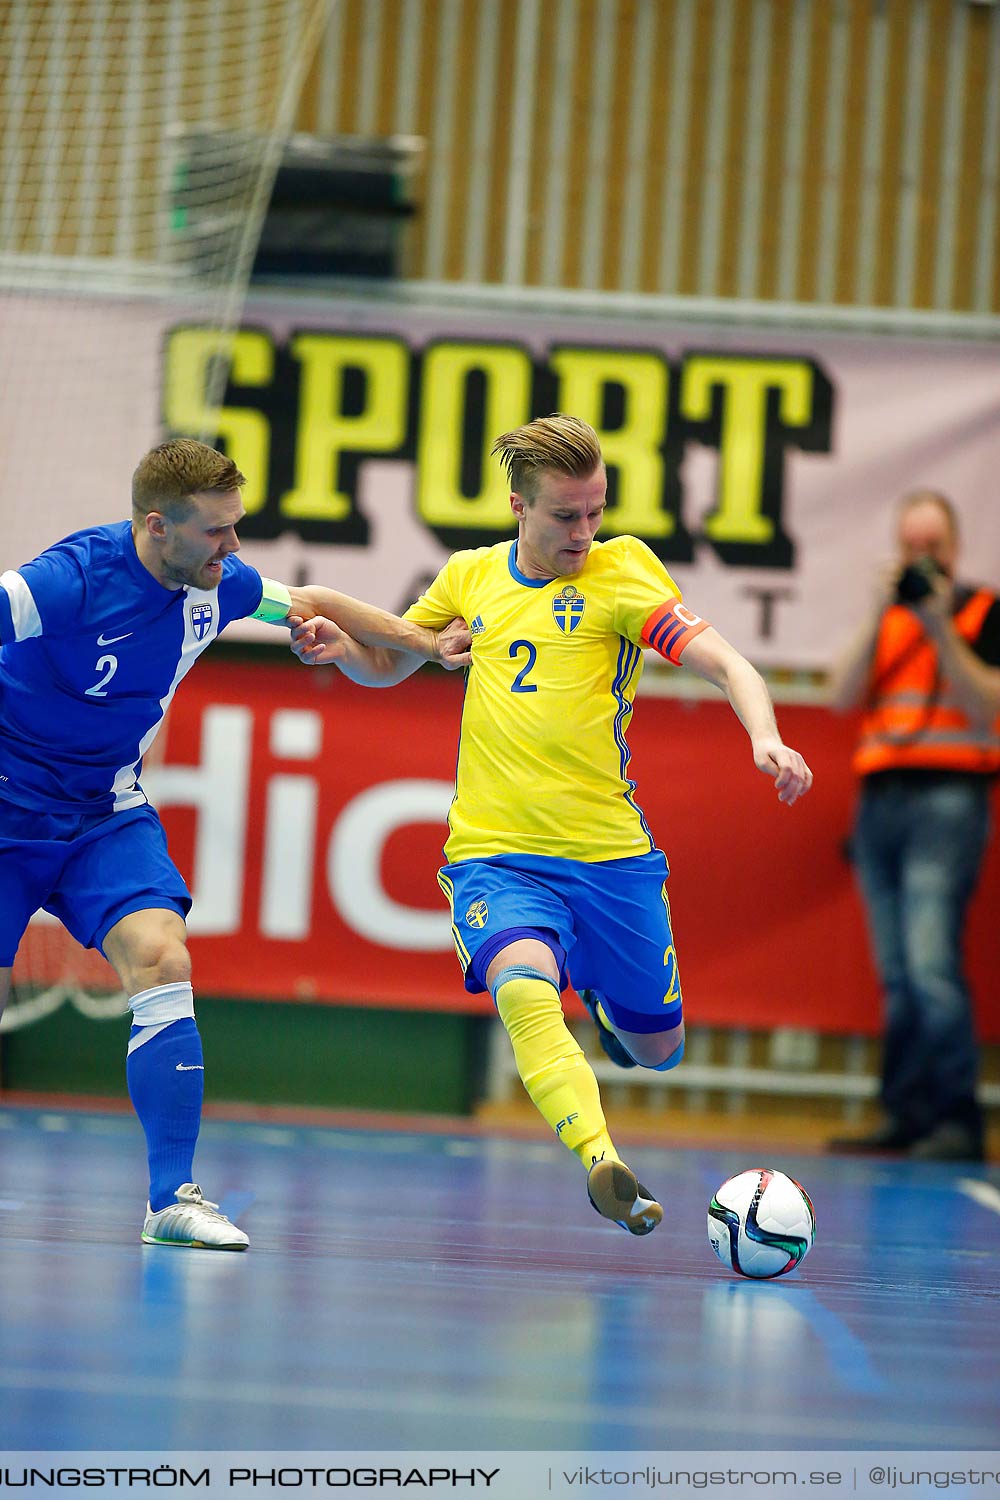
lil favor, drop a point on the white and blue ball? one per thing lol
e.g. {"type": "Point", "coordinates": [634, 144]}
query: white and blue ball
{"type": "Point", "coordinates": [761, 1223]}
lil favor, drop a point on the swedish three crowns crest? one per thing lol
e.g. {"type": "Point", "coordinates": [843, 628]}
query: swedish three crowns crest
{"type": "Point", "coordinates": [568, 607]}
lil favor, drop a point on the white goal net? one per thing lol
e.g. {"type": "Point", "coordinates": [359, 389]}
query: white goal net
{"type": "Point", "coordinates": [138, 145]}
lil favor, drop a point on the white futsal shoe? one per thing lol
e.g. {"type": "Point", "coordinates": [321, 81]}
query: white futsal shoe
{"type": "Point", "coordinates": [192, 1223]}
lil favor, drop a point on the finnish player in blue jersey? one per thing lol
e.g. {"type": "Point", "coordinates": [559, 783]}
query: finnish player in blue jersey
{"type": "Point", "coordinates": [553, 874]}
{"type": "Point", "coordinates": [96, 634]}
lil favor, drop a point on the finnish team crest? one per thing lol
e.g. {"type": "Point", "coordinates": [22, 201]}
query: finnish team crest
{"type": "Point", "coordinates": [201, 620]}
{"type": "Point", "coordinates": [478, 914]}
{"type": "Point", "coordinates": [568, 607]}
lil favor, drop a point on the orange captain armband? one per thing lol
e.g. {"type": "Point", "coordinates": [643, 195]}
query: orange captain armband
{"type": "Point", "coordinates": [669, 629]}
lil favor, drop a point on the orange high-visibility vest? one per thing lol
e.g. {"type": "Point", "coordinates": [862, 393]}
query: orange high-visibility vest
{"type": "Point", "coordinates": [912, 717]}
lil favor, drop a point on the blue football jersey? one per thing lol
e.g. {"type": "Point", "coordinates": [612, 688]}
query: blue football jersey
{"type": "Point", "coordinates": [92, 649]}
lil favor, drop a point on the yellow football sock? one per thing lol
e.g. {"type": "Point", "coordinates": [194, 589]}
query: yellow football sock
{"type": "Point", "coordinates": [553, 1069]}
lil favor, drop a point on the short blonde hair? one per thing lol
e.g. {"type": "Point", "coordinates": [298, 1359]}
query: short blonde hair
{"type": "Point", "coordinates": [563, 444]}
{"type": "Point", "coordinates": [171, 473]}
{"type": "Point", "coordinates": [932, 497]}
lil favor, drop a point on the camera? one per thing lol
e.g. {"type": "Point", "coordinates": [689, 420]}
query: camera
{"type": "Point", "coordinates": [916, 580]}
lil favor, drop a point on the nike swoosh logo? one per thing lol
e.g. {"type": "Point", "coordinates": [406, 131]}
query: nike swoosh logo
{"type": "Point", "coordinates": [109, 640]}
{"type": "Point", "coordinates": [190, 1068]}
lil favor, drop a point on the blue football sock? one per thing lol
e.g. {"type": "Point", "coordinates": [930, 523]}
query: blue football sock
{"type": "Point", "coordinates": [166, 1075]}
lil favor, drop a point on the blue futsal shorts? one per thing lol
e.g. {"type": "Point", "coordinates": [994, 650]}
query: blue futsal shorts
{"type": "Point", "coordinates": [89, 871]}
{"type": "Point", "coordinates": [608, 924]}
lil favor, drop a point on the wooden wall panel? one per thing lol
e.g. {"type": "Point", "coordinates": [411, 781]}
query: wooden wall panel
{"type": "Point", "coordinates": [843, 152]}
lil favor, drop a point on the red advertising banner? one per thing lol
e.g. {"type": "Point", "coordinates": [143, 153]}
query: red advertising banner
{"type": "Point", "coordinates": [308, 815]}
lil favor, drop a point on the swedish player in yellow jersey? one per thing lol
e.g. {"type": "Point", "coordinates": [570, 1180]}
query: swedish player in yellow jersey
{"type": "Point", "coordinates": [553, 875]}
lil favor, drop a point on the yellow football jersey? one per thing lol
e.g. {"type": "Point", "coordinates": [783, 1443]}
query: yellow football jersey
{"type": "Point", "coordinates": [543, 759]}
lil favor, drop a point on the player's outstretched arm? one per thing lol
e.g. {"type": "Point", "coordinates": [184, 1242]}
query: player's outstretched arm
{"type": "Point", "coordinates": [367, 624]}
{"type": "Point", "coordinates": [710, 656]}
{"type": "Point", "coordinates": [320, 642]}
{"type": "Point", "coordinates": [373, 627]}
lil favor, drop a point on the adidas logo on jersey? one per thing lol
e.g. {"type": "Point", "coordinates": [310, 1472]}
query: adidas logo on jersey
{"type": "Point", "coordinates": [477, 627]}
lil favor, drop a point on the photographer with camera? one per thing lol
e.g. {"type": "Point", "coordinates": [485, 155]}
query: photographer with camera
{"type": "Point", "coordinates": [925, 668]}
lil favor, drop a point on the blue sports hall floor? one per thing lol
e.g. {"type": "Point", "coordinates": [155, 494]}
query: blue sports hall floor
{"type": "Point", "coordinates": [427, 1288]}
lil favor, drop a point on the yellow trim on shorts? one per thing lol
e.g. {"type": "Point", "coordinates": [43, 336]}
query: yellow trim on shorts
{"type": "Point", "coordinates": [462, 952]}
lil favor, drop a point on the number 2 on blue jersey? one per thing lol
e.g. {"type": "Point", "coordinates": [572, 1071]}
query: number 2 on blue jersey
{"type": "Point", "coordinates": [519, 685]}
{"type": "Point", "coordinates": [109, 666]}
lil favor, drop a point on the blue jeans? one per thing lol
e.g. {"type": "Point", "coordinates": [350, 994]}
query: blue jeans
{"type": "Point", "coordinates": [918, 846]}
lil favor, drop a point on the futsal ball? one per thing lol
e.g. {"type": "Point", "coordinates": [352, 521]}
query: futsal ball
{"type": "Point", "coordinates": [761, 1223]}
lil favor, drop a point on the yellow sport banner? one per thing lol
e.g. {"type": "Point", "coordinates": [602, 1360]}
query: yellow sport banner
{"type": "Point", "coordinates": [763, 466]}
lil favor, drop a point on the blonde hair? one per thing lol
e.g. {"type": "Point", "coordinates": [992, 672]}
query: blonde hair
{"type": "Point", "coordinates": [933, 497]}
{"type": "Point", "coordinates": [171, 473]}
{"type": "Point", "coordinates": [560, 443]}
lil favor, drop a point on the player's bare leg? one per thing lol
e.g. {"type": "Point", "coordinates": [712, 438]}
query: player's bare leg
{"type": "Point", "coordinates": [659, 1050]}
{"type": "Point", "coordinates": [166, 1071]}
{"type": "Point", "coordinates": [523, 979]}
{"type": "Point", "coordinates": [149, 948]}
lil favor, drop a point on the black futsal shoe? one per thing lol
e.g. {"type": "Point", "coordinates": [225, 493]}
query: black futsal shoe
{"type": "Point", "coordinates": [891, 1135]}
{"type": "Point", "coordinates": [615, 1049]}
{"type": "Point", "coordinates": [951, 1140]}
